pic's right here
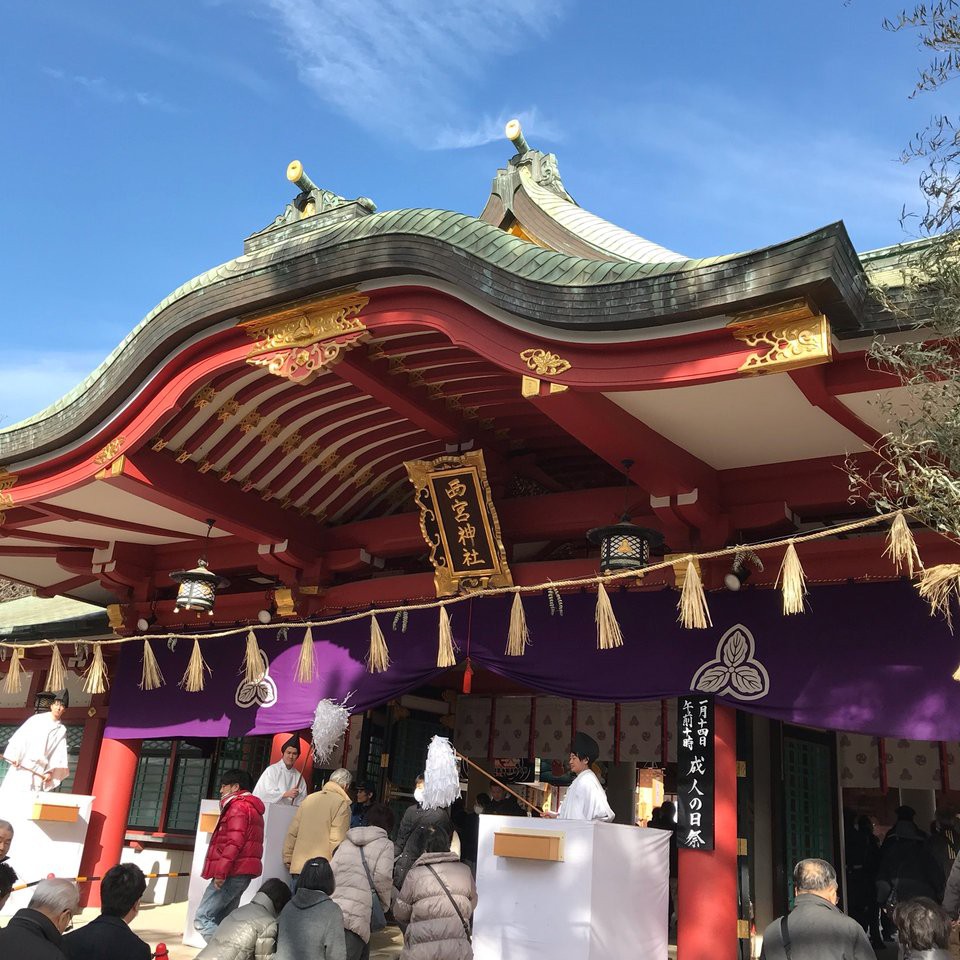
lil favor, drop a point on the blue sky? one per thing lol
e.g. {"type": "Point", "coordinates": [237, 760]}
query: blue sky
{"type": "Point", "coordinates": [141, 142]}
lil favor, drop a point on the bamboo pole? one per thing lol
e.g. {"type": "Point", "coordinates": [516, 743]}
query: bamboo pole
{"type": "Point", "coordinates": [512, 793]}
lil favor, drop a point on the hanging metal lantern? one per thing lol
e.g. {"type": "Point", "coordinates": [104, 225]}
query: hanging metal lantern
{"type": "Point", "coordinates": [198, 588]}
{"type": "Point", "coordinates": [623, 545]}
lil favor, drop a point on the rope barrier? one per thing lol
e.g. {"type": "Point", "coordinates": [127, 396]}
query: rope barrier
{"type": "Point", "coordinates": [571, 583]}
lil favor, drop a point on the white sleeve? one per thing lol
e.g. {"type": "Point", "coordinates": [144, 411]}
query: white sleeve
{"type": "Point", "coordinates": [58, 761]}
{"type": "Point", "coordinates": [269, 787]}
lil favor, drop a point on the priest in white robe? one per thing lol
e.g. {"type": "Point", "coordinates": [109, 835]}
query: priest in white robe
{"type": "Point", "coordinates": [585, 798]}
{"type": "Point", "coordinates": [36, 754]}
{"type": "Point", "coordinates": [282, 782]}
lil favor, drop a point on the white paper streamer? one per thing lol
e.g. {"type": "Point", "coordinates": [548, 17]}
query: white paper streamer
{"type": "Point", "coordinates": [329, 725]}
{"type": "Point", "coordinates": [441, 775]}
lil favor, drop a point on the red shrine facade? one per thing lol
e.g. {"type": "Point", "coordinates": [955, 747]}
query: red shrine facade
{"type": "Point", "coordinates": [281, 394]}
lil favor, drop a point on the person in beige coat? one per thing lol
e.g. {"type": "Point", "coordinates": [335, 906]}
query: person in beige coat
{"type": "Point", "coordinates": [436, 925]}
{"type": "Point", "coordinates": [321, 823]}
{"type": "Point", "coordinates": [353, 894]}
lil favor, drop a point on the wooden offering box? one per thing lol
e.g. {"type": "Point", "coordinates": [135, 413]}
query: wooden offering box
{"type": "Point", "coordinates": [208, 822]}
{"type": "Point", "coordinates": [59, 813]}
{"type": "Point", "coordinates": [529, 844]}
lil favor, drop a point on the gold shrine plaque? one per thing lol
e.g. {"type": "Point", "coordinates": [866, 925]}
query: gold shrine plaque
{"type": "Point", "coordinates": [54, 812]}
{"type": "Point", "coordinates": [459, 523]}
{"type": "Point", "coordinates": [529, 844]}
{"type": "Point", "coordinates": [208, 822]}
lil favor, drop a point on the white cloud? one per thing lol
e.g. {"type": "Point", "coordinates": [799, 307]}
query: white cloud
{"type": "Point", "coordinates": [30, 380]}
{"type": "Point", "coordinates": [103, 89]}
{"type": "Point", "coordinates": [490, 130]}
{"type": "Point", "coordinates": [402, 66]}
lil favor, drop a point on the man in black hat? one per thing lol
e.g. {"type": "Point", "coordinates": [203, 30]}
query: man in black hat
{"type": "Point", "coordinates": [282, 782]}
{"type": "Point", "coordinates": [37, 752]}
{"type": "Point", "coordinates": [585, 798]}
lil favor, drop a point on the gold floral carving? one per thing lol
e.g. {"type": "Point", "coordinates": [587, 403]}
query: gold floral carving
{"type": "Point", "coordinates": [291, 443]}
{"type": "Point", "coordinates": [158, 444]}
{"type": "Point", "coordinates": [304, 340]}
{"type": "Point", "coordinates": [271, 431]}
{"type": "Point", "coordinates": [787, 336]}
{"type": "Point", "coordinates": [109, 451]}
{"type": "Point", "coordinates": [7, 480]}
{"type": "Point", "coordinates": [204, 397]}
{"type": "Point", "coordinates": [251, 421]}
{"type": "Point", "coordinates": [229, 409]}
{"type": "Point", "coordinates": [543, 362]}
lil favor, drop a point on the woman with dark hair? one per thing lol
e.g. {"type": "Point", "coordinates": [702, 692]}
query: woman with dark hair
{"type": "Point", "coordinates": [416, 821]}
{"type": "Point", "coordinates": [363, 868]}
{"type": "Point", "coordinates": [250, 932]}
{"type": "Point", "coordinates": [311, 924]}
{"type": "Point", "coordinates": [436, 903]}
{"type": "Point", "coordinates": [923, 927]}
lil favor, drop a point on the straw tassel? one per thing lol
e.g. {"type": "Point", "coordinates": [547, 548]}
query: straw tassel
{"type": "Point", "coordinates": [518, 638]}
{"type": "Point", "coordinates": [792, 581]}
{"type": "Point", "coordinates": [253, 660]}
{"type": "Point", "coordinates": [445, 654]}
{"type": "Point", "coordinates": [12, 682]}
{"type": "Point", "coordinates": [306, 665]}
{"type": "Point", "coordinates": [152, 677]}
{"type": "Point", "coordinates": [193, 679]}
{"type": "Point", "coordinates": [608, 630]}
{"type": "Point", "coordinates": [938, 586]}
{"type": "Point", "coordinates": [901, 547]}
{"type": "Point", "coordinates": [95, 679]}
{"type": "Point", "coordinates": [694, 613]}
{"type": "Point", "coordinates": [57, 677]}
{"type": "Point", "coordinates": [378, 659]}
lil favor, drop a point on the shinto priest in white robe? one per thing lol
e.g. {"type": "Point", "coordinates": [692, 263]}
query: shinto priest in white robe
{"type": "Point", "coordinates": [277, 779]}
{"type": "Point", "coordinates": [585, 798]}
{"type": "Point", "coordinates": [39, 746]}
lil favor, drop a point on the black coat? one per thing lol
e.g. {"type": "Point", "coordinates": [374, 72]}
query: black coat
{"type": "Point", "coordinates": [29, 934]}
{"type": "Point", "coordinates": [410, 837]}
{"type": "Point", "coordinates": [106, 938]}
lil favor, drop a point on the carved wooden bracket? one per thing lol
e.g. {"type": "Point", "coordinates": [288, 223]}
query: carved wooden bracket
{"type": "Point", "coordinates": [787, 336]}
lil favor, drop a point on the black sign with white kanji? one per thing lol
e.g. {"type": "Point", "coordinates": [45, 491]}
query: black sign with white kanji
{"type": "Point", "coordinates": [695, 773]}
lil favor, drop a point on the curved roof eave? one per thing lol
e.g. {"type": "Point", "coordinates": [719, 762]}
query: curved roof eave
{"type": "Point", "coordinates": [553, 290]}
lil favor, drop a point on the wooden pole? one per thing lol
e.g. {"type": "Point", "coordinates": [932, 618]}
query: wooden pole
{"type": "Point", "coordinates": [516, 796]}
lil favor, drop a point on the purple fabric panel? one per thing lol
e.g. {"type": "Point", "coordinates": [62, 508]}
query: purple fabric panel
{"type": "Point", "coordinates": [865, 658]}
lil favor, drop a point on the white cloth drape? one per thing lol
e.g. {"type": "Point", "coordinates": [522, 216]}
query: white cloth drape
{"type": "Point", "coordinates": [585, 799]}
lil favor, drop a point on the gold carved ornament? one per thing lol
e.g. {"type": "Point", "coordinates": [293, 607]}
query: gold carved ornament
{"type": "Point", "coordinates": [459, 523]}
{"type": "Point", "coordinates": [7, 481]}
{"type": "Point", "coordinates": [306, 339]}
{"type": "Point", "coordinates": [788, 336]}
{"type": "Point", "coordinates": [109, 451]}
{"type": "Point", "coordinates": [544, 363]}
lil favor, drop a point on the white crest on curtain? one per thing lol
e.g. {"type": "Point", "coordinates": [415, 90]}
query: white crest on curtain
{"type": "Point", "coordinates": [263, 693]}
{"type": "Point", "coordinates": [735, 671]}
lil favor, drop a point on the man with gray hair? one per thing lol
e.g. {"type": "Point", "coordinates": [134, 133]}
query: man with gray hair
{"type": "Point", "coordinates": [35, 931]}
{"type": "Point", "coordinates": [321, 823]}
{"type": "Point", "coordinates": [815, 929]}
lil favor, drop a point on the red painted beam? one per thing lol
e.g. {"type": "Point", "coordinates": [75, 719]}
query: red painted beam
{"type": "Point", "coordinates": [812, 382]}
{"type": "Point", "coordinates": [55, 511]}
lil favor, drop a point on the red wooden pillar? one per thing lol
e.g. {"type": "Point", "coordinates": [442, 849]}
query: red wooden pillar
{"type": "Point", "coordinates": [707, 881]}
{"type": "Point", "coordinates": [112, 790]}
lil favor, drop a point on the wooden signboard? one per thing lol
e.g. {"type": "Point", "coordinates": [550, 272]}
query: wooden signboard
{"type": "Point", "coordinates": [459, 523]}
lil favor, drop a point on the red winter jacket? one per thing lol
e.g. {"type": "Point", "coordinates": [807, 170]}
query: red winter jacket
{"type": "Point", "coordinates": [236, 847]}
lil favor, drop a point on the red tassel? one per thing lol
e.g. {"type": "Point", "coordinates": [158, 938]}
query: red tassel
{"type": "Point", "coordinates": [468, 678]}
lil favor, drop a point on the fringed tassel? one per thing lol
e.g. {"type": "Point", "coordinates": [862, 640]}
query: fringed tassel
{"type": "Point", "coordinates": [694, 613]}
{"type": "Point", "coordinates": [938, 586]}
{"type": "Point", "coordinates": [792, 581]}
{"type": "Point", "coordinates": [152, 677]}
{"type": "Point", "coordinates": [57, 677]}
{"type": "Point", "coordinates": [95, 679]}
{"type": "Point", "coordinates": [445, 654]}
{"type": "Point", "coordinates": [518, 637]}
{"type": "Point", "coordinates": [12, 682]}
{"type": "Point", "coordinates": [193, 679]}
{"type": "Point", "coordinates": [253, 660]}
{"type": "Point", "coordinates": [901, 547]}
{"type": "Point", "coordinates": [378, 659]}
{"type": "Point", "coordinates": [306, 665]}
{"type": "Point", "coordinates": [608, 630]}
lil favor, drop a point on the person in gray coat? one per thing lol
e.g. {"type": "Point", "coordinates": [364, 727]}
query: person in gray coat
{"type": "Point", "coordinates": [368, 845]}
{"type": "Point", "coordinates": [436, 904]}
{"type": "Point", "coordinates": [311, 924]}
{"type": "Point", "coordinates": [815, 929]}
{"type": "Point", "coordinates": [250, 931]}
{"type": "Point", "coordinates": [923, 929]}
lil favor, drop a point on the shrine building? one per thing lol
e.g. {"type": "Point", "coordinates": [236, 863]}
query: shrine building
{"type": "Point", "coordinates": [376, 411]}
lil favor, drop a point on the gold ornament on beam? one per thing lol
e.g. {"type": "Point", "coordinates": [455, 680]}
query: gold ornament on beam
{"type": "Point", "coordinates": [787, 336]}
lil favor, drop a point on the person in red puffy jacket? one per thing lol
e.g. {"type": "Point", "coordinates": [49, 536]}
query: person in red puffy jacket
{"type": "Point", "coordinates": [235, 854]}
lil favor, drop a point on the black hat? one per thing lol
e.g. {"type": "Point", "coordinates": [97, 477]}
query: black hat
{"type": "Point", "coordinates": [294, 741]}
{"type": "Point", "coordinates": [366, 786]}
{"type": "Point", "coordinates": [585, 747]}
{"type": "Point", "coordinates": [905, 813]}
{"type": "Point", "coordinates": [48, 698]}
